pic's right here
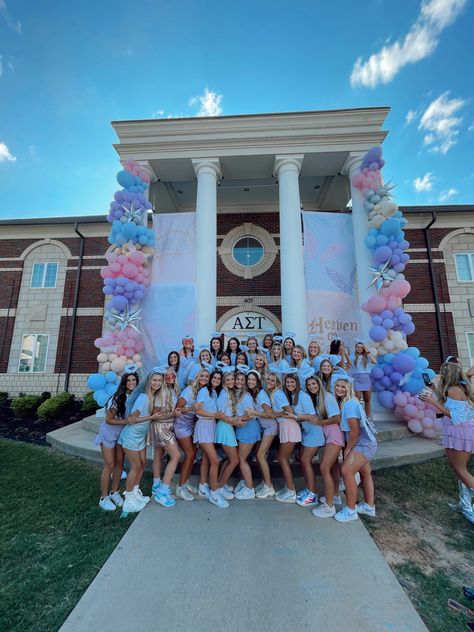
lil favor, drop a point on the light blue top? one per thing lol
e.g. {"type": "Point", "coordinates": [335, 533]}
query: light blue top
{"type": "Point", "coordinates": [358, 365]}
{"type": "Point", "coordinates": [262, 398]}
{"type": "Point", "coordinates": [279, 401]}
{"type": "Point", "coordinates": [224, 404]}
{"type": "Point", "coordinates": [209, 401]}
{"type": "Point", "coordinates": [461, 411]}
{"type": "Point", "coordinates": [305, 407]}
{"type": "Point", "coordinates": [251, 357]}
{"type": "Point", "coordinates": [332, 407]}
{"type": "Point", "coordinates": [246, 401]}
{"type": "Point", "coordinates": [187, 395]}
{"type": "Point", "coordinates": [278, 367]}
{"type": "Point", "coordinates": [353, 409]}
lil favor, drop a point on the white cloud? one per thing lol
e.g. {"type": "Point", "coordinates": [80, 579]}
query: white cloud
{"type": "Point", "coordinates": [419, 43]}
{"type": "Point", "coordinates": [5, 154]}
{"type": "Point", "coordinates": [441, 123]}
{"type": "Point", "coordinates": [210, 103]}
{"type": "Point", "coordinates": [471, 128]}
{"type": "Point", "coordinates": [446, 195]}
{"type": "Point", "coordinates": [15, 25]}
{"type": "Point", "coordinates": [411, 116]}
{"type": "Point", "coordinates": [158, 113]}
{"type": "Point", "coordinates": [425, 183]}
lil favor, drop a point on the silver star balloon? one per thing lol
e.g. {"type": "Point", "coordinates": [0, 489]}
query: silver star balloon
{"type": "Point", "coordinates": [381, 275]}
{"type": "Point", "coordinates": [133, 214]}
{"type": "Point", "coordinates": [127, 319]}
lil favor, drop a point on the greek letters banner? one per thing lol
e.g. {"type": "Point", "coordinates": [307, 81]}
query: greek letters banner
{"type": "Point", "coordinates": [169, 310]}
{"type": "Point", "coordinates": [331, 299]}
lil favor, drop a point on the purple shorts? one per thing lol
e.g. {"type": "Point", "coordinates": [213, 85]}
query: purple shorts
{"type": "Point", "coordinates": [367, 449]}
{"type": "Point", "coordinates": [108, 435]}
{"type": "Point", "coordinates": [184, 425]}
{"type": "Point", "coordinates": [361, 381]}
{"type": "Point", "coordinates": [458, 437]}
{"type": "Point", "coordinates": [204, 430]}
{"type": "Point", "coordinates": [269, 427]}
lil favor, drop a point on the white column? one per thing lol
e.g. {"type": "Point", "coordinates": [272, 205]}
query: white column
{"type": "Point", "coordinates": [293, 292]}
{"type": "Point", "coordinates": [207, 172]}
{"type": "Point", "coordinates": [363, 256]}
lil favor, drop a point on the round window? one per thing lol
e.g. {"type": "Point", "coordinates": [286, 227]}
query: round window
{"type": "Point", "coordinates": [248, 251]}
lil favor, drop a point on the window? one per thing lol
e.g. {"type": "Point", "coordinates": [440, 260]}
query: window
{"type": "Point", "coordinates": [34, 350]}
{"type": "Point", "coordinates": [248, 251]}
{"type": "Point", "coordinates": [44, 275]}
{"type": "Point", "coordinates": [465, 266]}
{"type": "Point", "coordinates": [470, 346]}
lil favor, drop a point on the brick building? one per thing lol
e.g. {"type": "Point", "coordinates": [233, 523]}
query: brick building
{"type": "Point", "coordinates": [50, 315]}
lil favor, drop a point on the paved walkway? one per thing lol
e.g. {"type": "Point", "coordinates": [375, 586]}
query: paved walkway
{"type": "Point", "coordinates": [255, 567]}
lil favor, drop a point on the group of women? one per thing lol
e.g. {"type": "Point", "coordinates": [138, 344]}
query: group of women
{"type": "Point", "coordinates": [238, 400]}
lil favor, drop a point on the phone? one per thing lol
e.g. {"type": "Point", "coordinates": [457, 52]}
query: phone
{"type": "Point", "coordinates": [426, 379]}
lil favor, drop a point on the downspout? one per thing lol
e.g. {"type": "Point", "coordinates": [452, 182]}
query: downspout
{"type": "Point", "coordinates": [433, 284]}
{"type": "Point", "coordinates": [74, 308]}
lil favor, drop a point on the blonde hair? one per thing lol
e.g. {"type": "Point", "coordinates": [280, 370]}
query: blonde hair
{"type": "Point", "coordinates": [264, 369]}
{"type": "Point", "coordinates": [319, 400]}
{"type": "Point", "coordinates": [243, 390]}
{"type": "Point", "coordinates": [314, 342]}
{"type": "Point", "coordinates": [195, 386]}
{"type": "Point", "coordinates": [303, 356]}
{"type": "Point", "coordinates": [451, 374]}
{"type": "Point", "coordinates": [272, 351]}
{"type": "Point", "coordinates": [278, 386]}
{"type": "Point", "coordinates": [349, 392]}
{"type": "Point", "coordinates": [364, 355]}
{"type": "Point", "coordinates": [231, 394]}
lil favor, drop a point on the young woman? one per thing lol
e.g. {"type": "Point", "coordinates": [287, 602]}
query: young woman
{"type": "Point", "coordinates": [112, 452]}
{"type": "Point", "coordinates": [299, 362]}
{"type": "Point", "coordinates": [184, 428]}
{"type": "Point", "coordinates": [267, 344]}
{"type": "Point", "coordinates": [224, 360]}
{"type": "Point", "coordinates": [161, 436]}
{"type": "Point", "coordinates": [338, 354]}
{"type": "Point", "coordinates": [260, 365]}
{"type": "Point", "coordinates": [138, 411]}
{"type": "Point", "coordinates": [361, 446]}
{"type": "Point", "coordinates": [225, 434]}
{"type": "Point", "coordinates": [204, 362]}
{"type": "Point", "coordinates": [278, 364]}
{"type": "Point", "coordinates": [362, 362]}
{"type": "Point", "coordinates": [326, 371]}
{"type": "Point", "coordinates": [174, 362]}
{"type": "Point", "coordinates": [262, 410]}
{"type": "Point", "coordinates": [252, 344]}
{"type": "Point", "coordinates": [215, 349]}
{"type": "Point", "coordinates": [248, 433]}
{"type": "Point", "coordinates": [288, 345]}
{"type": "Point", "coordinates": [314, 352]}
{"type": "Point", "coordinates": [187, 353]}
{"type": "Point", "coordinates": [232, 349]}
{"type": "Point", "coordinates": [204, 434]}
{"type": "Point", "coordinates": [241, 359]}
{"type": "Point", "coordinates": [456, 402]}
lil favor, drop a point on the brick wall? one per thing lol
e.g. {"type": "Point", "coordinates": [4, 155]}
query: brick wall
{"type": "Point", "coordinates": [84, 354]}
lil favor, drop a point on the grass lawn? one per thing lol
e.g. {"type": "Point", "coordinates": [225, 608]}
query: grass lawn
{"type": "Point", "coordinates": [53, 536]}
{"type": "Point", "coordinates": [429, 547]}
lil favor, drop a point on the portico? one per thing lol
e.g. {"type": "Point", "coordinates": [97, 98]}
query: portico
{"type": "Point", "coordinates": [250, 166]}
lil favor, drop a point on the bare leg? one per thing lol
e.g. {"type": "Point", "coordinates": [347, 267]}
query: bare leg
{"type": "Point", "coordinates": [203, 468]}
{"type": "Point", "coordinates": [458, 460]}
{"type": "Point", "coordinates": [307, 467]}
{"type": "Point", "coordinates": [174, 454]}
{"type": "Point", "coordinates": [189, 450]}
{"type": "Point", "coordinates": [230, 464]}
{"type": "Point", "coordinates": [354, 463]}
{"type": "Point", "coordinates": [329, 461]}
{"type": "Point", "coordinates": [136, 468]}
{"type": "Point", "coordinates": [157, 457]}
{"type": "Point", "coordinates": [367, 484]}
{"type": "Point", "coordinates": [213, 460]}
{"type": "Point", "coordinates": [117, 473]}
{"type": "Point", "coordinates": [244, 450]}
{"type": "Point", "coordinates": [367, 402]}
{"type": "Point", "coordinates": [284, 453]}
{"type": "Point", "coordinates": [262, 458]}
{"type": "Point", "coordinates": [108, 454]}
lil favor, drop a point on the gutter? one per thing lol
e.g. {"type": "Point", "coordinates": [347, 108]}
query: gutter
{"type": "Point", "coordinates": [434, 289]}
{"type": "Point", "coordinates": [74, 309]}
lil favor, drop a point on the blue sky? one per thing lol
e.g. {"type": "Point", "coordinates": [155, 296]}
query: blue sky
{"type": "Point", "coordinates": [68, 69]}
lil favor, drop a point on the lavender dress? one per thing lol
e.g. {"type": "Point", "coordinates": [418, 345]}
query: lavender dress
{"type": "Point", "coordinates": [458, 431]}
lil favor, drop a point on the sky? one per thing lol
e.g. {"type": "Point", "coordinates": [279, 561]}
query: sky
{"type": "Point", "coordinates": [68, 69]}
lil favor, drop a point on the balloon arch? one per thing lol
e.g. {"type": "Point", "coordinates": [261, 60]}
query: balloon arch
{"type": "Point", "coordinates": [396, 377]}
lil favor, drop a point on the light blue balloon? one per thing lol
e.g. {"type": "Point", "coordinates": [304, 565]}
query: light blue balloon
{"type": "Point", "coordinates": [422, 363]}
{"type": "Point", "coordinates": [101, 397]}
{"type": "Point", "coordinates": [414, 352]}
{"type": "Point", "coordinates": [110, 389]}
{"type": "Point", "coordinates": [413, 386]}
{"type": "Point", "coordinates": [111, 376]}
{"type": "Point", "coordinates": [96, 381]}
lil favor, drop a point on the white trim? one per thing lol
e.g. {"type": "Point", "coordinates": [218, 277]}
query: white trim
{"type": "Point", "coordinates": [45, 242]}
{"type": "Point", "coordinates": [460, 231]}
{"type": "Point", "coordinates": [427, 307]}
{"type": "Point", "coordinates": [8, 313]}
{"type": "Point", "coordinates": [470, 256]}
{"type": "Point", "coordinates": [468, 333]}
{"type": "Point", "coordinates": [247, 229]}
{"type": "Point", "coordinates": [83, 311]}
{"type": "Point", "coordinates": [31, 372]}
{"type": "Point", "coordinates": [252, 308]}
{"type": "Point", "coordinates": [11, 269]}
{"type": "Point", "coordinates": [424, 261]}
{"type": "Point", "coordinates": [42, 286]}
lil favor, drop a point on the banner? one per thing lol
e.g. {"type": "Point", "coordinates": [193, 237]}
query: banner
{"type": "Point", "coordinates": [331, 300]}
{"type": "Point", "coordinates": [169, 309]}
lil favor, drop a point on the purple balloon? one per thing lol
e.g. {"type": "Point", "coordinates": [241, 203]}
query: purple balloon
{"type": "Point", "coordinates": [388, 323]}
{"type": "Point", "coordinates": [399, 267]}
{"type": "Point", "coordinates": [382, 254]}
{"type": "Point", "coordinates": [403, 363]}
{"type": "Point", "coordinates": [396, 377]}
{"type": "Point", "coordinates": [387, 370]}
{"type": "Point", "coordinates": [377, 320]}
{"type": "Point", "coordinates": [377, 333]}
{"type": "Point", "coordinates": [118, 302]}
{"type": "Point", "coordinates": [386, 399]}
{"type": "Point", "coordinates": [377, 387]}
{"type": "Point", "coordinates": [385, 381]}
{"type": "Point", "coordinates": [409, 329]}
{"type": "Point", "coordinates": [387, 313]}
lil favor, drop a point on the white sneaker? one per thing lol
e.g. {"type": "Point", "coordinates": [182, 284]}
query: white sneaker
{"type": "Point", "coordinates": [281, 491]}
{"type": "Point", "coordinates": [289, 496]}
{"type": "Point", "coordinates": [365, 509]}
{"type": "Point", "coordinates": [216, 499]}
{"type": "Point", "coordinates": [116, 498]}
{"type": "Point", "coordinates": [204, 490]}
{"type": "Point", "coordinates": [183, 492]}
{"type": "Point", "coordinates": [324, 511]}
{"type": "Point", "coordinates": [225, 493]}
{"type": "Point", "coordinates": [139, 494]}
{"type": "Point", "coordinates": [265, 492]}
{"type": "Point", "coordinates": [191, 488]}
{"type": "Point", "coordinates": [131, 504]}
{"type": "Point", "coordinates": [245, 493]}
{"type": "Point", "coordinates": [106, 504]}
{"type": "Point", "coordinates": [229, 488]}
{"type": "Point", "coordinates": [307, 498]}
{"type": "Point", "coordinates": [259, 486]}
{"type": "Point", "coordinates": [346, 515]}
{"type": "Point", "coordinates": [239, 485]}
{"type": "Point", "coordinates": [335, 499]}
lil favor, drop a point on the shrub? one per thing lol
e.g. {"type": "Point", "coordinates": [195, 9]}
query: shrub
{"type": "Point", "coordinates": [45, 395]}
{"type": "Point", "coordinates": [89, 405]}
{"type": "Point", "coordinates": [55, 406]}
{"type": "Point", "coordinates": [25, 405]}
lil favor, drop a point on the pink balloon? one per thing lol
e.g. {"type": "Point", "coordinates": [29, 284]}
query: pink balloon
{"type": "Point", "coordinates": [115, 267]}
{"type": "Point", "coordinates": [122, 259]}
{"type": "Point", "coordinates": [410, 411]}
{"type": "Point", "coordinates": [430, 433]}
{"type": "Point", "coordinates": [393, 302]}
{"type": "Point", "coordinates": [427, 422]}
{"type": "Point", "coordinates": [415, 426]}
{"type": "Point", "coordinates": [400, 399]}
{"type": "Point", "coordinates": [399, 287]}
{"type": "Point", "coordinates": [130, 270]}
{"type": "Point", "coordinates": [375, 303]}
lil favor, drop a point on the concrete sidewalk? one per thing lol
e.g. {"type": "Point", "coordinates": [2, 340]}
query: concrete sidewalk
{"type": "Point", "coordinates": [257, 566]}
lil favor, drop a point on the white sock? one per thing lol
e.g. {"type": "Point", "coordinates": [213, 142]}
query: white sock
{"type": "Point", "coordinates": [156, 481]}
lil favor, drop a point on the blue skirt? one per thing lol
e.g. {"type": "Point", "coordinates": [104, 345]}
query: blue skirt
{"type": "Point", "coordinates": [250, 433]}
{"type": "Point", "coordinates": [225, 434]}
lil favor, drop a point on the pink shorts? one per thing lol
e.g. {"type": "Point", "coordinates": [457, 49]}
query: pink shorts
{"type": "Point", "coordinates": [289, 431]}
{"type": "Point", "coordinates": [334, 434]}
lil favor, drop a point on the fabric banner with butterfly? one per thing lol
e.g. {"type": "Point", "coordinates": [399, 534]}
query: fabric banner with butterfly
{"type": "Point", "coordinates": [169, 309]}
{"type": "Point", "coordinates": [330, 276]}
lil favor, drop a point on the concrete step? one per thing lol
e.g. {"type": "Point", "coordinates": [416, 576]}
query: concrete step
{"type": "Point", "coordinates": [78, 441]}
{"type": "Point", "coordinates": [386, 430]}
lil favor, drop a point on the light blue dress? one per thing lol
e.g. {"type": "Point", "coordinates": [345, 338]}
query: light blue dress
{"type": "Point", "coordinates": [251, 432]}
{"type": "Point", "coordinates": [313, 435]}
{"type": "Point", "coordinates": [225, 433]}
{"type": "Point", "coordinates": [133, 436]}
